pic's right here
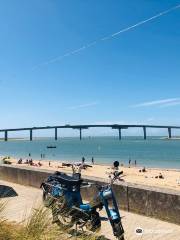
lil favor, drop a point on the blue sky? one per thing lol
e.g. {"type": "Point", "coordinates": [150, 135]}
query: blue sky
{"type": "Point", "coordinates": [131, 78]}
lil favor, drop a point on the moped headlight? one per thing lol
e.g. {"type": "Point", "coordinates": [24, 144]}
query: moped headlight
{"type": "Point", "coordinates": [107, 194]}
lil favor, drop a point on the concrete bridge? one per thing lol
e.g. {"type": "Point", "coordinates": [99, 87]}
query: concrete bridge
{"type": "Point", "coordinates": [118, 127]}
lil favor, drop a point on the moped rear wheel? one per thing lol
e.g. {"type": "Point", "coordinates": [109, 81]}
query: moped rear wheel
{"type": "Point", "coordinates": [60, 213]}
{"type": "Point", "coordinates": [65, 221]}
{"type": "Point", "coordinates": [47, 199]}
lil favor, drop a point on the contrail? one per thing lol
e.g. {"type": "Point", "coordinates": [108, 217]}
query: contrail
{"type": "Point", "coordinates": [147, 20]}
{"type": "Point", "coordinates": [91, 44]}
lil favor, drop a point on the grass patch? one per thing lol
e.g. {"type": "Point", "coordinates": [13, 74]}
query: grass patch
{"type": "Point", "coordinates": [37, 227]}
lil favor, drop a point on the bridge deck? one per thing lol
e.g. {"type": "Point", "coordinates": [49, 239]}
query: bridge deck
{"type": "Point", "coordinates": [86, 126]}
{"type": "Point", "coordinates": [118, 127]}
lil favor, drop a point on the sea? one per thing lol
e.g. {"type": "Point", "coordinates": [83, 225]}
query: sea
{"type": "Point", "coordinates": [154, 152]}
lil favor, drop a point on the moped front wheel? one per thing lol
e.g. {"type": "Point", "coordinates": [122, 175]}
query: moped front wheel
{"type": "Point", "coordinates": [118, 231]}
{"type": "Point", "coordinates": [121, 237]}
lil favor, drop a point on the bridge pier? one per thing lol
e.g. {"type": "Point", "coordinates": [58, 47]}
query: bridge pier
{"type": "Point", "coordinates": [80, 133]}
{"type": "Point", "coordinates": [56, 137]}
{"type": "Point", "coordinates": [6, 136]}
{"type": "Point", "coordinates": [169, 133]}
{"type": "Point", "coordinates": [80, 128]}
{"type": "Point", "coordinates": [31, 135]}
{"type": "Point", "coordinates": [120, 134]}
{"type": "Point", "coordinates": [144, 130]}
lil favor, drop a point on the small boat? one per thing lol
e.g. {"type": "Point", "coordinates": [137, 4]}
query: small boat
{"type": "Point", "coordinates": [51, 146]}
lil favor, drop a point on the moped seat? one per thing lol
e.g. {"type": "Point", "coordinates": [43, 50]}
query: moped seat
{"type": "Point", "coordinates": [67, 180]}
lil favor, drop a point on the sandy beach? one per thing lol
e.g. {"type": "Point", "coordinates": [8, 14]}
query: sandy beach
{"type": "Point", "coordinates": [171, 178]}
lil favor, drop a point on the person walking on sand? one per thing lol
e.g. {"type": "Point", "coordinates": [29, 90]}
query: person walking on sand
{"type": "Point", "coordinates": [129, 162]}
{"type": "Point", "coordinates": [49, 164]}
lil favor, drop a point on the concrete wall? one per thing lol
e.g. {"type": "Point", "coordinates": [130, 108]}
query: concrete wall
{"type": "Point", "coordinates": [153, 202]}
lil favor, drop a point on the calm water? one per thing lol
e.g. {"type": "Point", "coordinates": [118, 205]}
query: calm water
{"type": "Point", "coordinates": [153, 152]}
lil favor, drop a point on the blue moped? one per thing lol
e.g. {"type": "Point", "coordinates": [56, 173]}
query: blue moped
{"type": "Point", "coordinates": [62, 194]}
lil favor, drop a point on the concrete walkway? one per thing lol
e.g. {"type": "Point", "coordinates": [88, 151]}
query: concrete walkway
{"type": "Point", "coordinates": [19, 207]}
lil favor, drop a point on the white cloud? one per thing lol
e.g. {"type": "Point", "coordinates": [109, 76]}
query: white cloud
{"type": "Point", "coordinates": [175, 103]}
{"type": "Point", "coordinates": [161, 103]}
{"type": "Point", "coordinates": [86, 105]}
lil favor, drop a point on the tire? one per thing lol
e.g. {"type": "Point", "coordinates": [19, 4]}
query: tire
{"type": "Point", "coordinates": [64, 221]}
{"type": "Point", "coordinates": [121, 237]}
{"type": "Point", "coordinates": [61, 214]}
{"type": "Point", "coordinates": [118, 231]}
{"type": "Point", "coordinates": [94, 224]}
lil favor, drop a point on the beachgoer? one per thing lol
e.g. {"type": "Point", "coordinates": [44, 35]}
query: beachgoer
{"type": "Point", "coordinates": [39, 164]}
{"type": "Point", "coordinates": [129, 162]}
{"type": "Point", "coordinates": [143, 170]}
{"type": "Point", "coordinates": [161, 176]}
{"type": "Point", "coordinates": [20, 161]}
{"type": "Point", "coordinates": [31, 162]}
{"type": "Point", "coordinates": [116, 165]}
{"type": "Point", "coordinates": [92, 160]}
{"type": "Point", "coordinates": [135, 163]}
{"type": "Point", "coordinates": [83, 159]}
{"type": "Point", "coordinates": [49, 164]}
{"type": "Point", "coordinates": [115, 171]}
{"type": "Point", "coordinates": [29, 154]}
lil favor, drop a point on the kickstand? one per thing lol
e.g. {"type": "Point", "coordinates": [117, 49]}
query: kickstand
{"type": "Point", "coordinates": [76, 230]}
{"type": "Point", "coordinates": [82, 229]}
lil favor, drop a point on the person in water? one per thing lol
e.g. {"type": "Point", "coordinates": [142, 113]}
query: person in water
{"type": "Point", "coordinates": [83, 160]}
{"type": "Point", "coordinates": [92, 160]}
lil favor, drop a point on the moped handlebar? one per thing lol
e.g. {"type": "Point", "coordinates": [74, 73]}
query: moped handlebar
{"type": "Point", "coordinates": [117, 174]}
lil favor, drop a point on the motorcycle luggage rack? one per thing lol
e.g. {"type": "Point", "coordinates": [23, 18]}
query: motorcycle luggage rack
{"type": "Point", "coordinates": [65, 179]}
